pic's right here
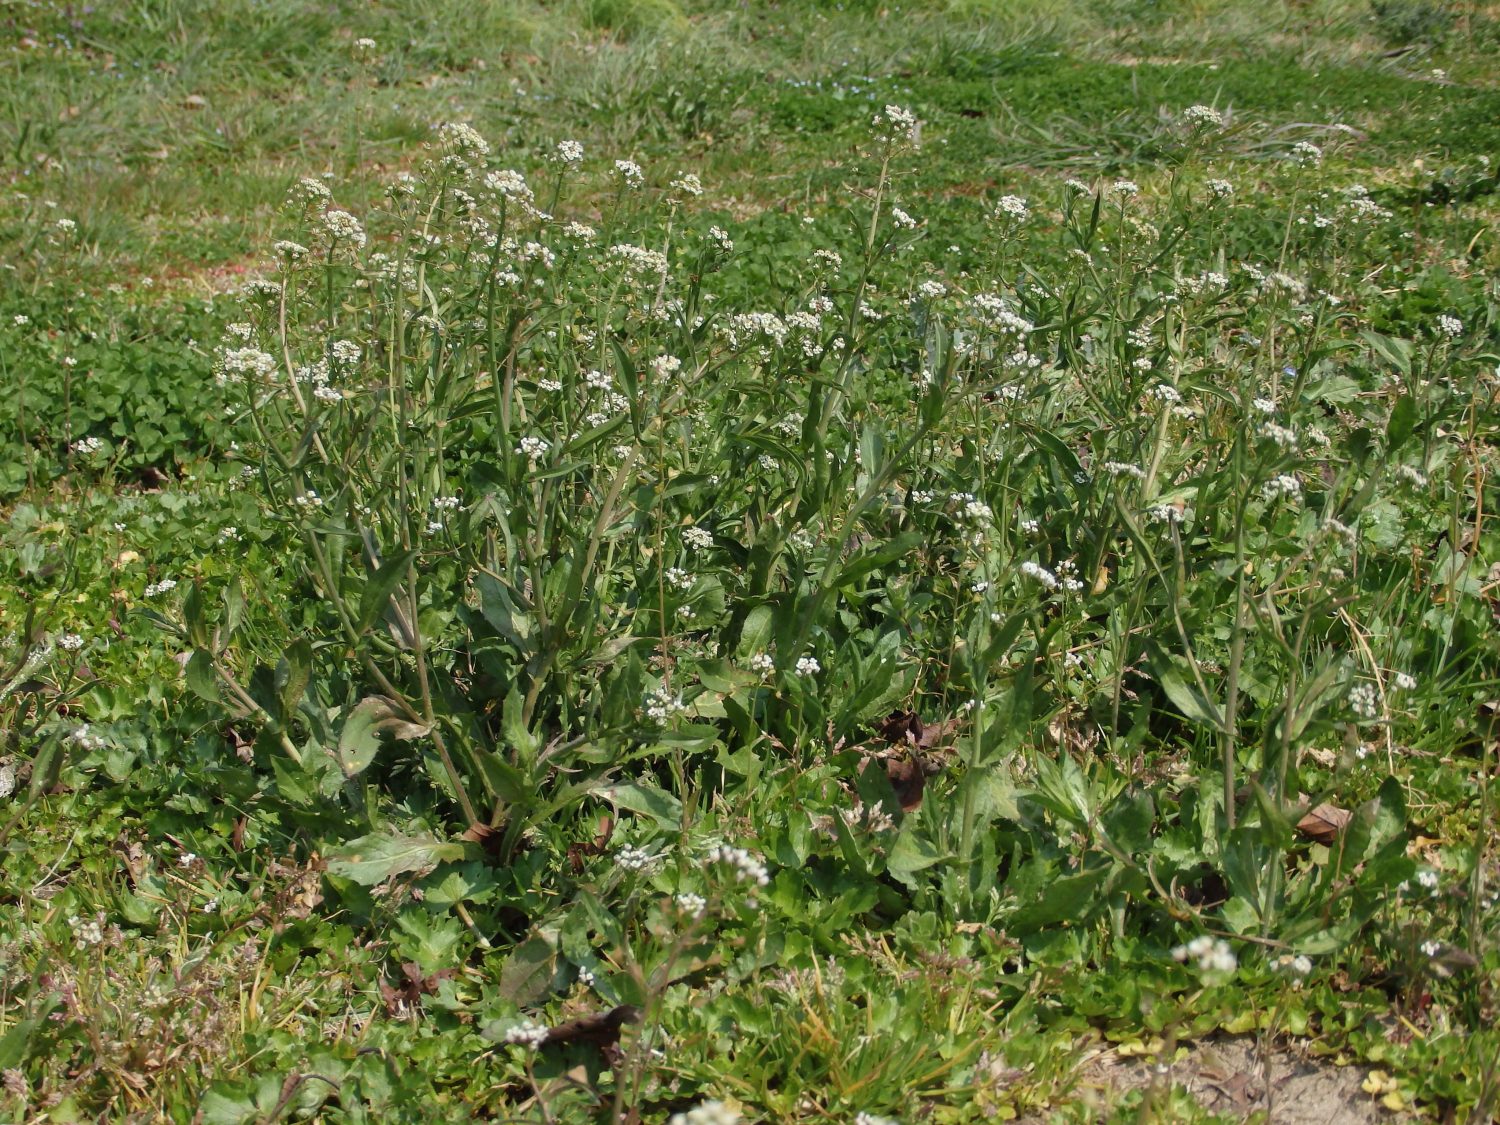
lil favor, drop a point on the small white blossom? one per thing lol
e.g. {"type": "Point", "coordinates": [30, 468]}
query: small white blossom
{"type": "Point", "coordinates": [1212, 956]}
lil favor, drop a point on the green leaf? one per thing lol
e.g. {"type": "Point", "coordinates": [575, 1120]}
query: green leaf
{"type": "Point", "coordinates": [360, 738]}
{"type": "Point", "coordinates": [658, 804]}
{"type": "Point", "coordinates": [527, 974]}
{"type": "Point", "coordinates": [755, 633]}
{"type": "Point", "coordinates": [1402, 423]}
{"type": "Point", "coordinates": [380, 856]}
{"type": "Point", "coordinates": [876, 558]}
{"type": "Point", "coordinates": [1069, 899]}
{"type": "Point", "coordinates": [911, 853]}
{"type": "Point", "coordinates": [379, 587]}
{"type": "Point", "coordinates": [201, 679]}
{"type": "Point", "coordinates": [293, 672]}
{"type": "Point", "coordinates": [1184, 696]}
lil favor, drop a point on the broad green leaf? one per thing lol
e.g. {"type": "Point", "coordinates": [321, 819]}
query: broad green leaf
{"type": "Point", "coordinates": [1073, 898]}
{"type": "Point", "coordinates": [527, 974]}
{"type": "Point", "coordinates": [378, 588]}
{"type": "Point", "coordinates": [380, 856]}
{"type": "Point", "coordinates": [911, 853]}
{"type": "Point", "coordinates": [1401, 424]}
{"type": "Point", "coordinates": [202, 681]}
{"type": "Point", "coordinates": [372, 718]}
{"type": "Point", "coordinates": [658, 804]}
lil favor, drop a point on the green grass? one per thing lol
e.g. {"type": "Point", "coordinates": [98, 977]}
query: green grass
{"type": "Point", "coordinates": [345, 736]}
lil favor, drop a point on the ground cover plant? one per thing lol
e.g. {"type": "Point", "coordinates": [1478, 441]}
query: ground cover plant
{"type": "Point", "coordinates": [674, 563]}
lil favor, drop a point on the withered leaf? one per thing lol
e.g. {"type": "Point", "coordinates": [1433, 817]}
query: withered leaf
{"type": "Point", "coordinates": [597, 846]}
{"type": "Point", "coordinates": [407, 993]}
{"type": "Point", "coordinates": [908, 777]}
{"type": "Point", "coordinates": [1324, 823]}
{"type": "Point", "coordinates": [601, 1030]}
{"type": "Point", "coordinates": [908, 728]}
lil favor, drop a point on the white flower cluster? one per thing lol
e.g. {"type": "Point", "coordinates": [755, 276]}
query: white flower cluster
{"type": "Point", "coordinates": [1211, 955]}
{"type": "Point", "coordinates": [709, 1113]}
{"type": "Point", "coordinates": [1283, 484]}
{"type": "Point", "coordinates": [236, 364]}
{"type": "Point", "coordinates": [526, 1034]}
{"type": "Point", "coordinates": [994, 312]}
{"type": "Point", "coordinates": [463, 140]}
{"type": "Point", "coordinates": [808, 666]}
{"type": "Point", "coordinates": [1012, 208]}
{"type": "Point", "coordinates": [633, 859]}
{"type": "Point", "coordinates": [1297, 967]}
{"type": "Point", "coordinates": [630, 172]}
{"type": "Point", "coordinates": [1204, 116]}
{"type": "Point", "coordinates": [638, 261]}
{"type": "Point", "coordinates": [1364, 701]}
{"type": "Point", "coordinates": [662, 706]}
{"type": "Point", "coordinates": [509, 184]}
{"type": "Point", "coordinates": [897, 124]}
{"type": "Point", "coordinates": [1305, 154]}
{"type": "Point", "coordinates": [341, 226]}
{"type": "Point", "coordinates": [747, 867]}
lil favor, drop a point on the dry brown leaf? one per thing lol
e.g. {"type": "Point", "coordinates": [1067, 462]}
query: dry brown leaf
{"type": "Point", "coordinates": [1324, 823]}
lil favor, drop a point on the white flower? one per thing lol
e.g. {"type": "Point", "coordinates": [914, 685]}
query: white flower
{"type": "Point", "coordinates": [509, 183]}
{"type": "Point", "coordinates": [1404, 681]}
{"type": "Point", "coordinates": [1212, 956]}
{"type": "Point", "coordinates": [1012, 208]}
{"type": "Point", "coordinates": [71, 642]}
{"type": "Point", "coordinates": [709, 1113]}
{"type": "Point", "coordinates": [1204, 115]}
{"type": "Point", "coordinates": [569, 153]}
{"type": "Point", "coordinates": [1306, 154]}
{"type": "Point", "coordinates": [1363, 701]}
{"type": "Point", "coordinates": [1283, 484]}
{"type": "Point", "coordinates": [532, 447]}
{"type": "Point", "coordinates": [902, 219]}
{"type": "Point", "coordinates": [344, 227]}
{"type": "Point", "coordinates": [687, 183]}
{"type": "Point", "coordinates": [1450, 326]}
{"type": "Point", "coordinates": [697, 538]}
{"type": "Point", "coordinates": [633, 859]}
{"type": "Point", "coordinates": [1039, 573]}
{"type": "Point", "coordinates": [310, 191]}
{"type": "Point", "coordinates": [763, 663]}
{"type": "Point", "coordinates": [463, 139]}
{"type": "Point", "coordinates": [1124, 188]}
{"type": "Point", "coordinates": [662, 706]}
{"type": "Point", "coordinates": [630, 172]}
{"type": "Point", "coordinates": [747, 868]}
{"type": "Point", "coordinates": [897, 124]}
{"type": "Point", "coordinates": [526, 1034]}
{"type": "Point", "coordinates": [808, 666]}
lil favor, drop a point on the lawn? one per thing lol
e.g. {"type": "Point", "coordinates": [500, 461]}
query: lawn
{"type": "Point", "coordinates": [664, 561]}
